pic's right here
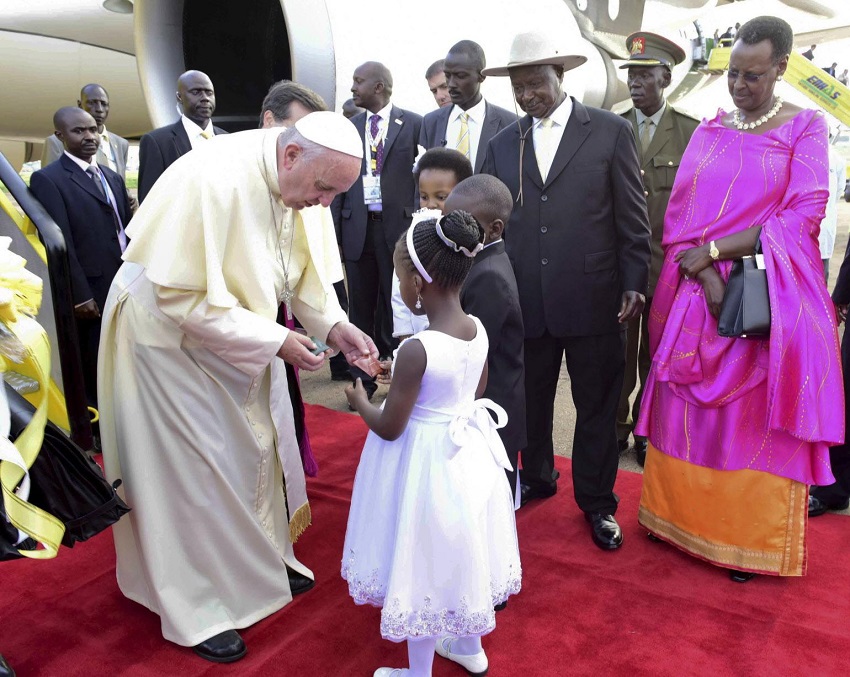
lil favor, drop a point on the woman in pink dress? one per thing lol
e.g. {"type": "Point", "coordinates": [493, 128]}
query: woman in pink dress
{"type": "Point", "coordinates": [738, 427]}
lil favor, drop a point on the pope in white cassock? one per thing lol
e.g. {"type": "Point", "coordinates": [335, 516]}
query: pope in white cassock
{"type": "Point", "coordinates": [195, 411]}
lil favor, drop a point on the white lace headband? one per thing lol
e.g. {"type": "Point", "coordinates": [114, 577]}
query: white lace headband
{"type": "Point", "coordinates": [454, 245]}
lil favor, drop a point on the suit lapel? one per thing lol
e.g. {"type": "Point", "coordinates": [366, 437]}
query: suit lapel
{"type": "Point", "coordinates": [487, 252]}
{"type": "Point", "coordinates": [359, 122]}
{"type": "Point", "coordinates": [575, 134]}
{"type": "Point", "coordinates": [181, 138]}
{"type": "Point", "coordinates": [441, 138]}
{"type": "Point", "coordinates": [79, 177]}
{"type": "Point", "coordinates": [488, 131]}
{"type": "Point", "coordinates": [529, 158]}
{"type": "Point", "coordinates": [393, 128]}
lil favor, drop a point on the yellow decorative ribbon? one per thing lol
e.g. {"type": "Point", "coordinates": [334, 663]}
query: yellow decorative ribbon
{"type": "Point", "coordinates": [25, 349]}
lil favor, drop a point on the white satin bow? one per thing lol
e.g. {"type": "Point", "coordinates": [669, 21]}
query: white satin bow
{"type": "Point", "coordinates": [476, 425]}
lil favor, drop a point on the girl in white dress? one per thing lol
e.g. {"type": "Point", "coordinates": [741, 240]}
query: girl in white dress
{"type": "Point", "coordinates": [431, 536]}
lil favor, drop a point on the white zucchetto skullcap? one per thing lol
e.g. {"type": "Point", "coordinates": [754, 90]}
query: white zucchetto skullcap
{"type": "Point", "coordinates": [331, 130]}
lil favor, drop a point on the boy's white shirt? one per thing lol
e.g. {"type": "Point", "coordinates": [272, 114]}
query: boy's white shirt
{"type": "Point", "coordinates": [405, 323]}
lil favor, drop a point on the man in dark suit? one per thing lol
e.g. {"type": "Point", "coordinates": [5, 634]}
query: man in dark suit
{"type": "Point", "coordinates": [113, 149]}
{"type": "Point", "coordinates": [662, 134]}
{"type": "Point", "coordinates": [580, 245]}
{"type": "Point", "coordinates": [159, 148]}
{"type": "Point", "coordinates": [469, 124]}
{"type": "Point", "coordinates": [377, 209]}
{"type": "Point", "coordinates": [490, 294]}
{"type": "Point", "coordinates": [836, 496]}
{"type": "Point", "coordinates": [91, 206]}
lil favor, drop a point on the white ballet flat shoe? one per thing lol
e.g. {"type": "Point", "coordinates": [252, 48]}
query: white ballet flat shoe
{"type": "Point", "coordinates": [390, 672]}
{"type": "Point", "coordinates": [476, 664]}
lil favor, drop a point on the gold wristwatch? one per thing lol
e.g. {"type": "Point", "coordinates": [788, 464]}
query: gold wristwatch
{"type": "Point", "coordinates": [713, 251]}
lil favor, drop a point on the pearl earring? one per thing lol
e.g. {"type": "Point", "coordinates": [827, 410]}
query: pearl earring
{"type": "Point", "coordinates": [779, 78]}
{"type": "Point", "coordinates": [418, 301]}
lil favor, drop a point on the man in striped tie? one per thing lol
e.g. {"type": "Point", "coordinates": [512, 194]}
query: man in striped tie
{"type": "Point", "coordinates": [470, 123]}
{"type": "Point", "coordinates": [89, 202]}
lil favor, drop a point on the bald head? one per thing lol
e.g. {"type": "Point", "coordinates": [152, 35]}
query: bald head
{"type": "Point", "coordinates": [484, 196]}
{"type": "Point", "coordinates": [372, 86]}
{"type": "Point", "coordinates": [77, 130]}
{"type": "Point", "coordinates": [95, 101]}
{"type": "Point", "coordinates": [196, 97]}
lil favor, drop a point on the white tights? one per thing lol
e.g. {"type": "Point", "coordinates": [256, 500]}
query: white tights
{"type": "Point", "coordinates": [420, 653]}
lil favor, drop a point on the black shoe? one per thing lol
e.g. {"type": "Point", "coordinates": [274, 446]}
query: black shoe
{"type": "Point", "coordinates": [605, 531]}
{"type": "Point", "coordinates": [299, 583]}
{"type": "Point", "coordinates": [623, 446]}
{"type": "Point", "coordinates": [817, 507]}
{"type": "Point", "coordinates": [528, 492]}
{"type": "Point", "coordinates": [741, 576]}
{"type": "Point", "coordinates": [652, 537]}
{"type": "Point", "coordinates": [5, 668]}
{"type": "Point", "coordinates": [225, 647]}
{"type": "Point", "coordinates": [640, 450]}
{"type": "Point", "coordinates": [501, 607]}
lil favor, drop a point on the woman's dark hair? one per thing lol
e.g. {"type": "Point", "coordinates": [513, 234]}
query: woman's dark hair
{"type": "Point", "coordinates": [447, 267]}
{"type": "Point", "coordinates": [444, 158]}
{"type": "Point", "coordinates": [772, 28]}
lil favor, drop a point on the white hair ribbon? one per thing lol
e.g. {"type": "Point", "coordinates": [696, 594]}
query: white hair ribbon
{"type": "Point", "coordinates": [414, 257]}
{"type": "Point", "coordinates": [454, 245]}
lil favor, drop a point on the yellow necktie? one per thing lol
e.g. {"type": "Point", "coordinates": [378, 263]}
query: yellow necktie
{"type": "Point", "coordinates": [646, 134]}
{"type": "Point", "coordinates": [462, 144]}
{"type": "Point", "coordinates": [208, 133]}
{"type": "Point", "coordinates": [543, 147]}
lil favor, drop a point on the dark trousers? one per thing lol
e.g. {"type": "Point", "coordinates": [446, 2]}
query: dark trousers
{"type": "Point", "coordinates": [595, 365]}
{"type": "Point", "coordinates": [370, 295]}
{"type": "Point", "coordinates": [839, 456]}
{"type": "Point", "coordinates": [338, 363]}
{"type": "Point", "coordinates": [638, 361]}
{"type": "Point", "coordinates": [88, 332]}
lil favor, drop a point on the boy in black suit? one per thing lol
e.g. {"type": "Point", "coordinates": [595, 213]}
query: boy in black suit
{"type": "Point", "coordinates": [490, 294]}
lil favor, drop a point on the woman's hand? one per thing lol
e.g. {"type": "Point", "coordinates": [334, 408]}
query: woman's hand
{"type": "Point", "coordinates": [356, 394]}
{"type": "Point", "coordinates": [714, 289]}
{"type": "Point", "coordinates": [693, 261]}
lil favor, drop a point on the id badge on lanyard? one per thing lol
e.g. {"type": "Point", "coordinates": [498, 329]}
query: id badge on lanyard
{"type": "Point", "coordinates": [371, 189]}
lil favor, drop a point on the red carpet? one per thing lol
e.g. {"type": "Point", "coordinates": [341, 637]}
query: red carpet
{"type": "Point", "coordinates": [645, 610]}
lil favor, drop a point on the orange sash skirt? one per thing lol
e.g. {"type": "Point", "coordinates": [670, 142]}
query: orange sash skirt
{"type": "Point", "coordinates": [739, 519]}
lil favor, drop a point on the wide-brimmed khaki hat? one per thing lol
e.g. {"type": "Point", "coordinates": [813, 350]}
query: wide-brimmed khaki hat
{"type": "Point", "coordinates": [535, 49]}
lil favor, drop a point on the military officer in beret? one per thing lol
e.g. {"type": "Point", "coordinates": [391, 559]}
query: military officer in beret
{"type": "Point", "coordinates": [662, 134]}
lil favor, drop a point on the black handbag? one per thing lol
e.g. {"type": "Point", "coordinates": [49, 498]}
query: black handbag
{"type": "Point", "coordinates": [65, 482]}
{"type": "Point", "coordinates": [745, 311]}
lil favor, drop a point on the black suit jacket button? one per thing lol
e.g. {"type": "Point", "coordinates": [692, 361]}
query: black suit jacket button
{"type": "Point", "coordinates": [544, 198]}
{"type": "Point", "coordinates": [543, 229]}
{"type": "Point", "coordinates": [544, 261]}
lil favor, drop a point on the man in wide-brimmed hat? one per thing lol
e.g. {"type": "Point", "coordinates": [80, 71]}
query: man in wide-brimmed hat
{"type": "Point", "coordinates": [662, 133]}
{"type": "Point", "coordinates": [580, 244]}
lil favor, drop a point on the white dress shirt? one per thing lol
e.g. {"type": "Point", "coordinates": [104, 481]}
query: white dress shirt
{"type": "Point", "coordinates": [194, 132]}
{"type": "Point", "coordinates": [560, 116]}
{"type": "Point", "coordinates": [475, 123]}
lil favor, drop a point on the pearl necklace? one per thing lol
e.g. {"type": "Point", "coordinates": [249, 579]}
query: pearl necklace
{"type": "Point", "coordinates": [739, 124]}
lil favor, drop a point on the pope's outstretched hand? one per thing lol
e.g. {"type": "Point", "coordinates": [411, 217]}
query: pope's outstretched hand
{"type": "Point", "coordinates": [359, 349]}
